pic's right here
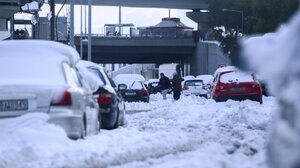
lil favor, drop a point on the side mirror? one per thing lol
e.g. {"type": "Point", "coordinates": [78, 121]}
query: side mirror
{"type": "Point", "coordinates": [122, 87]}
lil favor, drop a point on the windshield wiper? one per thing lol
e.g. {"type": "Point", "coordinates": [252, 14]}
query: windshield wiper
{"type": "Point", "coordinates": [132, 84]}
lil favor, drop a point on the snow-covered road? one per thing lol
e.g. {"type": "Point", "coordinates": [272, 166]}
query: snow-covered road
{"type": "Point", "coordinates": [192, 132]}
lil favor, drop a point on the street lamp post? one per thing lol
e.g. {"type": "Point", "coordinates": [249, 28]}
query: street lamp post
{"type": "Point", "coordinates": [237, 11]}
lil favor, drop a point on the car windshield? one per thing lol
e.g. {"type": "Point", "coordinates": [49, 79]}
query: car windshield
{"type": "Point", "coordinates": [193, 83]}
{"type": "Point", "coordinates": [31, 69]}
{"type": "Point", "coordinates": [236, 76]}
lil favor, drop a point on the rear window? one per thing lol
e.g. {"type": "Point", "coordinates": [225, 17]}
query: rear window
{"type": "Point", "coordinates": [98, 74]}
{"type": "Point", "coordinates": [134, 84]}
{"type": "Point", "coordinates": [193, 83]}
{"type": "Point", "coordinates": [236, 76]}
{"type": "Point", "coordinates": [33, 69]}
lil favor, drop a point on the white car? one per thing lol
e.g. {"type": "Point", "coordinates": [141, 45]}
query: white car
{"type": "Point", "coordinates": [40, 76]}
{"type": "Point", "coordinates": [194, 87]}
{"type": "Point", "coordinates": [207, 79]}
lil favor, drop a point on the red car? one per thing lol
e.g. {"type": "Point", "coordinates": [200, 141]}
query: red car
{"type": "Point", "coordinates": [229, 83]}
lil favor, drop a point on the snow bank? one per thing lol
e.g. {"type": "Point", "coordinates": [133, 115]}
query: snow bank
{"type": "Point", "coordinates": [191, 132]}
{"type": "Point", "coordinates": [276, 57]}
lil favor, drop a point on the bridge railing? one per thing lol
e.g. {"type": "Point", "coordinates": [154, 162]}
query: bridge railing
{"type": "Point", "coordinates": [148, 34]}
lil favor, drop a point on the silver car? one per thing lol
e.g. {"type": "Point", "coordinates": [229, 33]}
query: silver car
{"type": "Point", "coordinates": [40, 76]}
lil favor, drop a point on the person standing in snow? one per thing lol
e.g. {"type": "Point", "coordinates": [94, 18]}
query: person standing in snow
{"type": "Point", "coordinates": [176, 84]}
{"type": "Point", "coordinates": [164, 84]}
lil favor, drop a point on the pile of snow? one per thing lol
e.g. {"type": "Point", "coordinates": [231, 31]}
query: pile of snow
{"type": "Point", "coordinates": [276, 57]}
{"type": "Point", "coordinates": [191, 132]}
{"type": "Point", "coordinates": [156, 102]}
{"type": "Point", "coordinates": [30, 7]}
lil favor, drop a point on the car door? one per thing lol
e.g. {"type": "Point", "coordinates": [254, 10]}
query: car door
{"type": "Point", "coordinates": [91, 105]}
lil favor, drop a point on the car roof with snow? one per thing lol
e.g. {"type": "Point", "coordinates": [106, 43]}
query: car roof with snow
{"type": "Point", "coordinates": [188, 77]}
{"type": "Point", "coordinates": [128, 77]}
{"type": "Point", "coordinates": [41, 48]}
{"type": "Point", "coordinates": [225, 69]}
{"type": "Point", "coordinates": [153, 80]}
{"type": "Point", "coordinates": [205, 78]}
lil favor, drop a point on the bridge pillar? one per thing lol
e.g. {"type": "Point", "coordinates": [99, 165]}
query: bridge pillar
{"type": "Point", "coordinates": [3, 25]}
{"type": "Point", "coordinates": [203, 21]}
{"type": "Point", "coordinates": [206, 59]}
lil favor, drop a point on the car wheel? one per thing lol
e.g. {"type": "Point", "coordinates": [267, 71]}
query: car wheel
{"type": "Point", "coordinates": [260, 100]}
{"type": "Point", "coordinates": [99, 122]}
{"type": "Point", "coordinates": [117, 119]}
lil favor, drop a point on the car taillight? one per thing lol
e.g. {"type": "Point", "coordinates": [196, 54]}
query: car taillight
{"type": "Point", "coordinates": [185, 88]}
{"type": "Point", "coordinates": [144, 91]}
{"type": "Point", "coordinates": [255, 86]}
{"type": "Point", "coordinates": [105, 99]}
{"type": "Point", "coordinates": [65, 100]}
{"type": "Point", "coordinates": [219, 88]}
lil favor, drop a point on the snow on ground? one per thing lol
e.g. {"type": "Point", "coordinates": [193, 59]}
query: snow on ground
{"type": "Point", "coordinates": [191, 132]}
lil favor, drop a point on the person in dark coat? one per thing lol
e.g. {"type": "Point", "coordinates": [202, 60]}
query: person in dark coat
{"type": "Point", "coordinates": [164, 85]}
{"type": "Point", "coordinates": [176, 84]}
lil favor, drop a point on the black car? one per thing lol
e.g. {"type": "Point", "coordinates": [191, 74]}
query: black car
{"type": "Point", "coordinates": [133, 91]}
{"type": "Point", "coordinates": [111, 103]}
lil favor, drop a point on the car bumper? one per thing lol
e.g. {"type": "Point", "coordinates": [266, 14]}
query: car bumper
{"type": "Point", "coordinates": [253, 97]}
{"type": "Point", "coordinates": [71, 123]}
{"type": "Point", "coordinates": [196, 94]}
{"type": "Point", "coordinates": [136, 99]}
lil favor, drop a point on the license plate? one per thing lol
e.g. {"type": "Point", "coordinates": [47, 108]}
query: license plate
{"type": "Point", "coordinates": [13, 105]}
{"type": "Point", "coordinates": [238, 89]}
{"type": "Point", "coordinates": [130, 93]}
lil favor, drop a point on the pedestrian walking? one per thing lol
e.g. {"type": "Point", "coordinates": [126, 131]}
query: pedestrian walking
{"type": "Point", "coordinates": [164, 84]}
{"type": "Point", "coordinates": [176, 84]}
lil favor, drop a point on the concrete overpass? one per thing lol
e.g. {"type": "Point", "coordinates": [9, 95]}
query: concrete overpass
{"type": "Point", "coordinates": [139, 49]}
{"type": "Point", "coordinates": [174, 4]}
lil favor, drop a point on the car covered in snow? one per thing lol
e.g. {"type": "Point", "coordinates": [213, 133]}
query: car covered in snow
{"type": "Point", "coordinates": [132, 87]}
{"type": "Point", "coordinates": [230, 83]}
{"type": "Point", "coordinates": [40, 76]}
{"type": "Point", "coordinates": [111, 103]}
{"type": "Point", "coordinates": [194, 87]}
{"type": "Point", "coordinates": [207, 79]}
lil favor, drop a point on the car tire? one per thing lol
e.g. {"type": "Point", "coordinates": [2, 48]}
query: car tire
{"type": "Point", "coordinates": [99, 122]}
{"type": "Point", "coordinates": [84, 127]}
{"type": "Point", "coordinates": [260, 100]}
{"type": "Point", "coordinates": [116, 125]}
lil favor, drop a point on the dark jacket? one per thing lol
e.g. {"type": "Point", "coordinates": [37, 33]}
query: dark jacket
{"type": "Point", "coordinates": [176, 83]}
{"type": "Point", "coordinates": [164, 83]}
